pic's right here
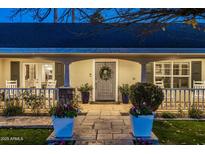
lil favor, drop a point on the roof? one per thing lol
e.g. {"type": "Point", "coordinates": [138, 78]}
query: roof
{"type": "Point", "coordinates": [98, 37]}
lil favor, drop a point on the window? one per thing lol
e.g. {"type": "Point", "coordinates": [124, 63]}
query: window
{"type": "Point", "coordinates": [173, 74]}
{"type": "Point", "coordinates": [30, 71]}
{"type": "Point", "coordinates": [47, 72]}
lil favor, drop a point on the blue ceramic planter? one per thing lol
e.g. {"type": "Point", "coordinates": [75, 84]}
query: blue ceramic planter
{"type": "Point", "coordinates": [63, 127]}
{"type": "Point", "coordinates": [142, 125]}
{"type": "Point", "coordinates": [125, 99]}
{"type": "Point", "coordinates": [85, 97]}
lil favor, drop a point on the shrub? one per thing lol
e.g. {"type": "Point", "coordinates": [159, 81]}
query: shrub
{"type": "Point", "coordinates": [124, 89]}
{"type": "Point", "coordinates": [64, 109]}
{"type": "Point", "coordinates": [145, 98]}
{"type": "Point", "coordinates": [34, 101]}
{"type": "Point", "coordinates": [13, 108]}
{"type": "Point", "coordinates": [195, 113]}
{"type": "Point", "coordinates": [181, 113]}
{"type": "Point", "coordinates": [168, 115]}
{"type": "Point", "coordinates": [2, 96]}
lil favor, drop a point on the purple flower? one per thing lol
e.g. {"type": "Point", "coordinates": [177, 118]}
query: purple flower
{"type": "Point", "coordinates": [62, 142]}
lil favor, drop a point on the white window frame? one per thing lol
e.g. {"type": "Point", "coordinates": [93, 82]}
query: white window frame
{"type": "Point", "coordinates": [41, 73]}
{"type": "Point", "coordinates": [172, 76]}
{"type": "Point", "coordinates": [24, 71]}
{"type": "Point", "coordinates": [38, 73]}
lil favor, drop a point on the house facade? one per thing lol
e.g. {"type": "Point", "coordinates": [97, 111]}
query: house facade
{"type": "Point", "coordinates": [74, 54]}
{"type": "Point", "coordinates": [178, 73]}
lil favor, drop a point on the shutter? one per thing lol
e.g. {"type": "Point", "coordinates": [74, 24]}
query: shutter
{"type": "Point", "coordinates": [196, 67]}
{"type": "Point", "coordinates": [149, 72]}
{"type": "Point", "coordinates": [15, 71]}
{"type": "Point", "coordinates": [59, 74]}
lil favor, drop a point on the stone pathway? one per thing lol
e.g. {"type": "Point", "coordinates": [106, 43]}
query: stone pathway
{"type": "Point", "coordinates": [103, 124]}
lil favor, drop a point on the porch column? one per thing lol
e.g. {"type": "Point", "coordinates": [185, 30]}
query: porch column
{"type": "Point", "coordinates": [67, 74]}
{"type": "Point", "coordinates": [143, 71]}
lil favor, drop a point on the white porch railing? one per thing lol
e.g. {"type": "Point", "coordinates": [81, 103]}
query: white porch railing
{"type": "Point", "coordinates": [27, 97]}
{"type": "Point", "coordinates": [174, 98]}
{"type": "Point", "coordinates": [183, 98]}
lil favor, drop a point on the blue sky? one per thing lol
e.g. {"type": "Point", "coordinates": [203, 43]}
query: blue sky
{"type": "Point", "coordinates": [5, 16]}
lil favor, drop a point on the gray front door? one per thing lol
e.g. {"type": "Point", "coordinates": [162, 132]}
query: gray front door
{"type": "Point", "coordinates": [105, 90]}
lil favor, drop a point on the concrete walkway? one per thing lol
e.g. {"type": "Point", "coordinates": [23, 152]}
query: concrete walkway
{"type": "Point", "coordinates": [103, 124]}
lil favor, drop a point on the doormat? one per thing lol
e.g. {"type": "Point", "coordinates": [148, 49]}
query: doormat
{"type": "Point", "coordinates": [105, 102]}
{"type": "Point", "coordinates": [124, 114]}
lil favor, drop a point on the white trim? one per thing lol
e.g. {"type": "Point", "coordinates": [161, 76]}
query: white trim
{"type": "Point", "coordinates": [39, 69]}
{"type": "Point", "coordinates": [93, 76]}
{"type": "Point", "coordinates": [172, 74]}
{"type": "Point", "coordinates": [117, 78]}
{"type": "Point", "coordinates": [25, 72]}
{"type": "Point", "coordinates": [154, 74]}
{"type": "Point", "coordinates": [42, 67]}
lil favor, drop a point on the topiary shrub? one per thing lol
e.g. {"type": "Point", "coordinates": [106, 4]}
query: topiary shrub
{"type": "Point", "coordinates": [145, 98]}
{"type": "Point", "coordinates": [168, 115]}
{"type": "Point", "coordinates": [195, 113]}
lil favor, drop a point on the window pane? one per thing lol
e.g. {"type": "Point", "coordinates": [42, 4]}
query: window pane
{"type": "Point", "coordinates": [185, 72]}
{"type": "Point", "coordinates": [176, 69]}
{"type": "Point", "coordinates": [182, 82]}
{"type": "Point", "coordinates": [158, 69]}
{"type": "Point", "coordinates": [27, 72]}
{"type": "Point", "coordinates": [167, 66]}
{"type": "Point", "coordinates": [163, 69]}
{"type": "Point", "coordinates": [185, 69]}
{"type": "Point", "coordinates": [47, 72]}
{"type": "Point", "coordinates": [166, 80]}
{"type": "Point", "coordinates": [185, 66]}
{"type": "Point", "coordinates": [167, 72]}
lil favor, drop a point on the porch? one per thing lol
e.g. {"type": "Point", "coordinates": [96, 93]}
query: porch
{"type": "Point", "coordinates": [32, 75]}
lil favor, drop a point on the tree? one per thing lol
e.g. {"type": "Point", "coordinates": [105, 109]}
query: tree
{"type": "Point", "coordinates": [96, 17]}
{"type": "Point", "coordinates": [155, 16]}
{"type": "Point", "coordinates": [41, 14]}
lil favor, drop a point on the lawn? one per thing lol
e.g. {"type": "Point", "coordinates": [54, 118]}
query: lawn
{"type": "Point", "coordinates": [168, 132]}
{"type": "Point", "coordinates": [24, 136]}
{"type": "Point", "coordinates": [180, 132]}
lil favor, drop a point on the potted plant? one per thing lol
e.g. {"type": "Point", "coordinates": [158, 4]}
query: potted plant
{"type": "Point", "coordinates": [63, 115]}
{"type": "Point", "coordinates": [125, 90]}
{"type": "Point", "coordinates": [145, 98]}
{"type": "Point", "coordinates": [85, 92]}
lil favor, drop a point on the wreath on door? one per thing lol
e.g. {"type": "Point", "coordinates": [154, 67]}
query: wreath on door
{"type": "Point", "coordinates": [105, 73]}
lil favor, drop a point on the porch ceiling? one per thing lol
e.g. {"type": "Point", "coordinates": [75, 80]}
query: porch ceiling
{"type": "Point", "coordinates": [75, 54]}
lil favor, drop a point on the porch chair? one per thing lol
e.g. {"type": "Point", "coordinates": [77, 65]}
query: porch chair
{"type": "Point", "coordinates": [159, 84]}
{"type": "Point", "coordinates": [197, 93]}
{"type": "Point", "coordinates": [51, 84]}
{"type": "Point", "coordinates": [37, 84]}
{"type": "Point", "coordinates": [10, 85]}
